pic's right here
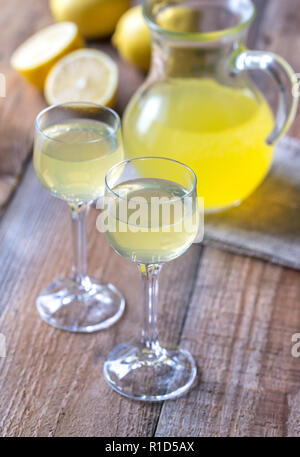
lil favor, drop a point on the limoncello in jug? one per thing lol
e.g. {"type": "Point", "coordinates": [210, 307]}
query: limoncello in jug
{"type": "Point", "coordinates": [199, 104]}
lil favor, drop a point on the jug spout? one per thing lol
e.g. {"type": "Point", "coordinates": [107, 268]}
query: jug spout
{"type": "Point", "coordinates": [199, 22]}
{"type": "Point", "coordinates": [173, 60]}
{"type": "Point", "coordinates": [194, 37]}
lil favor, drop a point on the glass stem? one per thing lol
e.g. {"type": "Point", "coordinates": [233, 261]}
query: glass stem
{"type": "Point", "coordinates": [79, 241]}
{"type": "Point", "coordinates": [150, 278]}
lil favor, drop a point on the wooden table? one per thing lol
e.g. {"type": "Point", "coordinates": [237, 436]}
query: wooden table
{"type": "Point", "coordinates": [236, 314]}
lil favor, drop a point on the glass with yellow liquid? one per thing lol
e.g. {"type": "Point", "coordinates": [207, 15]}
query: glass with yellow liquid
{"type": "Point", "coordinates": [152, 217]}
{"type": "Point", "coordinates": [71, 163]}
{"type": "Point", "coordinates": [157, 240]}
{"type": "Point", "coordinates": [75, 144]}
{"type": "Point", "coordinates": [199, 105]}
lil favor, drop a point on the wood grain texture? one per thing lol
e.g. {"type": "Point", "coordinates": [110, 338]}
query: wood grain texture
{"type": "Point", "coordinates": [235, 314]}
{"type": "Point", "coordinates": [51, 381]}
{"type": "Point", "coordinates": [279, 32]}
{"type": "Point", "coordinates": [239, 327]}
{"type": "Point", "coordinates": [22, 102]}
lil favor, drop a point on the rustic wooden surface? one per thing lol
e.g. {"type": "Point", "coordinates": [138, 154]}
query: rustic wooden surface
{"type": "Point", "coordinates": [235, 314]}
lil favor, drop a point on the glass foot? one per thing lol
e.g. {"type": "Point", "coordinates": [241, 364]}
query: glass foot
{"type": "Point", "coordinates": [87, 307]}
{"type": "Point", "coordinates": [140, 374]}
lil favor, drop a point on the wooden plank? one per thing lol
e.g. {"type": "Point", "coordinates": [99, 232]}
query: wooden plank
{"type": "Point", "coordinates": [279, 32]}
{"type": "Point", "coordinates": [241, 320]}
{"type": "Point", "coordinates": [239, 328]}
{"type": "Point", "coordinates": [51, 381]}
{"type": "Point", "coordinates": [22, 102]}
{"type": "Point", "coordinates": [261, 7]}
{"type": "Point", "coordinates": [239, 325]}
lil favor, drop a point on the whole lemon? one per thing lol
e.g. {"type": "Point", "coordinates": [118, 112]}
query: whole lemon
{"type": "Point", "coordinates": [179, 19]}
{"type": "Point", "coordinates": [133, 39]}
{"type": "Point", "coordinates": [94, 18]}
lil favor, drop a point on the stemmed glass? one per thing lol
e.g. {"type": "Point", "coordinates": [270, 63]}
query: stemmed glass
{"type": "Point", "coordinates": [75, 144]}
{"type": "Point", "coordinates": [151, 216]}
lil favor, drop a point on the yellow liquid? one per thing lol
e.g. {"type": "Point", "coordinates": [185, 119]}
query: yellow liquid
{"type": "Point", "coordinates": [220, 132]}
{"type": "Point", "coordinates": [145, 236]}
{"type": "Point", "coordinates": [71, 159]}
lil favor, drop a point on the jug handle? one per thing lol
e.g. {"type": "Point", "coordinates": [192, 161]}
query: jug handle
{"type": "Point", "coordinates": [285, 78]}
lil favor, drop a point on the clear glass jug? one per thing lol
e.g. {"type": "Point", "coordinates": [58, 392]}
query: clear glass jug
{"type": "Point", "coordinates": [199, 104]}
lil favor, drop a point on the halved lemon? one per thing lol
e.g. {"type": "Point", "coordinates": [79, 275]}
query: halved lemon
{"type": "Point", "coordinates": [86, 75]}
{"type": "Point", "coordinates": [37, 55]}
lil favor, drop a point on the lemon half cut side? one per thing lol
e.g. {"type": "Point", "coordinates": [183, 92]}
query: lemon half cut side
{"type": "Point", "coordinates": [87, 75]}
{"type": "Point", "coordinates": [36, 56]}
